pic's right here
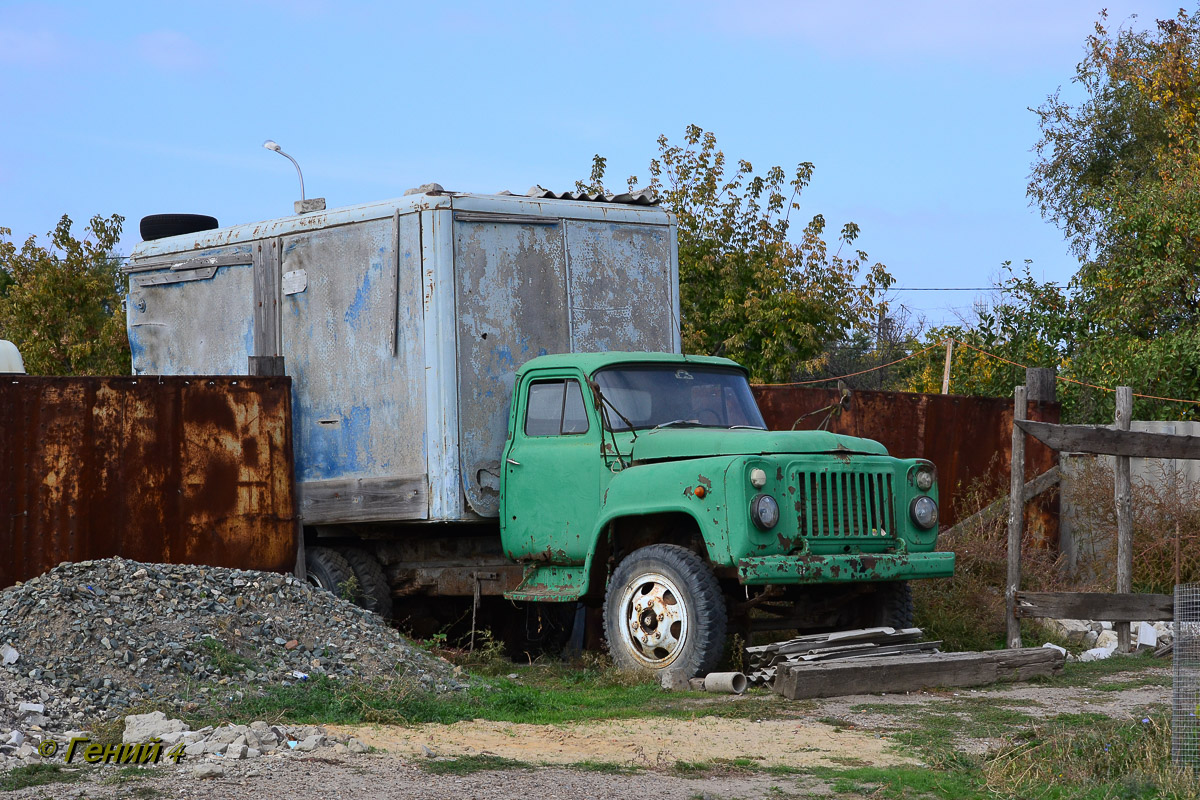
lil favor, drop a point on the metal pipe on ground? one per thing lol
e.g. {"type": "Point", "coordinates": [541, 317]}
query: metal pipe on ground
{"type": "Point", "coordinates": [725, 682]}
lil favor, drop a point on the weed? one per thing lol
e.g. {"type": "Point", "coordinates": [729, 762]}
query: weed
{"type": "Point", "coordinates": [967, 611]}
{"type": "Point", "coordinates": [349, 589]}
{"type": "Point", "coordinates": [1081, 750]}
{"type": "Point", "coordinates": [605, 767]}
{"type": "Point", "coordinates": [37, 775]}
{"type": "Point", "coordinates": [1166, 526]}
{"type": "Point", "coordinates": [465, 765]}
{"type": "Point", "coordinates": [717, 766]}
{"type": "Point", "coordinates": [224, 659]}
{"type": "Point", "coordinates": [128, 774]}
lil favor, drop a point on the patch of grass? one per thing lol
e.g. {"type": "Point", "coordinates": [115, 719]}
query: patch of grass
{"type": "Point", "coordinates": [903, 782]}
{"type": "Point", "coordinates": [1088, 674]}
{"type": "Point", "coordinates": [37, 775]}
{"type": "Point", "coordinates": [716, 766]}
{"type": "Point", "coordinates": [836, 722]}
{"type": "Point", "coordinates": [1137, 683]}
{"type": "Point", "coordinates": [543, 698]}
{"type": "Point", "coordinates": [128, 774]}
{"type": "Point", "coordinates": [465, 765]}
{"type": "Point", "coordinates": [225, 659]}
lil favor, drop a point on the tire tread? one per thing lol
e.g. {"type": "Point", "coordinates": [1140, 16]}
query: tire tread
{"type": "Point", "coordinates": [708, 630]}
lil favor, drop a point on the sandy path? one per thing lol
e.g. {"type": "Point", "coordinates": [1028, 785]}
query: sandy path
{"type": "Point", "coordinates": [645, 742]}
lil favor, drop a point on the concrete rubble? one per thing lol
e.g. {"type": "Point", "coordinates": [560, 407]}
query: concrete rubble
{"type": "Point", "coordinates": [1100, 638]}
{"type": "Point", "coordinates": [93, 640]}
{"type": "Point", "coordinates": [1099, 634]}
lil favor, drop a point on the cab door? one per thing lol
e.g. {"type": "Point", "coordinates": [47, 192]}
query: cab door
{"type": "Point", "coordinates": [550, 490]}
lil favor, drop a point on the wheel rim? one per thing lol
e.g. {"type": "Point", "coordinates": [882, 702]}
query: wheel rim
{"type": "Point", "coordinates": [654, 620]}
{"type": "Point", "coordinates": [313, 580]}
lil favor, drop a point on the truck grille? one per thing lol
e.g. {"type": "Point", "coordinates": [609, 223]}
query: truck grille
{"type": "Point", "coordinates": [845, 503]}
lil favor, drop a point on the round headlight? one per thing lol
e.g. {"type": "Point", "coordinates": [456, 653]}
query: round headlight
{"type": "Point", "coordinates": [924, 479]}
{"type": "Point", "coordinates": [924, 512]}
{"type": "Point", "coordinates": [764, 511]}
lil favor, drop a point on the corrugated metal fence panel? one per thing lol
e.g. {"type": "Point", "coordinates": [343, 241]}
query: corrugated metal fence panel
{"type": "Point", "coordinates": [159, 469]}
{"type": "Point", "coordinates": [969, 439]}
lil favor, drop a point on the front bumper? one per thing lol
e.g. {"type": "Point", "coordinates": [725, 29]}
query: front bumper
{"type": "Point", "coordinates": [784, 570]}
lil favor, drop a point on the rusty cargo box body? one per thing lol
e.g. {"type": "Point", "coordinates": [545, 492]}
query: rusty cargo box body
{"type": "Point", "coordinates": [176, 470]}
{"type": "Point", "coordinates": [402, 324]}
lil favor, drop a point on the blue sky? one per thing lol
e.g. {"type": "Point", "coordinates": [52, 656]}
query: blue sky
{"type": "Point", "coordinates": [914, 113]}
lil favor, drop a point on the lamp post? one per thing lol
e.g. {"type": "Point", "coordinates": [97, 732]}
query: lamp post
{"type": "Point", "coordinates": [304, 205]}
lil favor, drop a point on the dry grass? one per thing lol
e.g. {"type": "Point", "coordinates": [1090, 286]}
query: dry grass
{"type": "Point", "coordinates": [1160, 510]}
{"type": "Point", "coordinates": [967, 611]}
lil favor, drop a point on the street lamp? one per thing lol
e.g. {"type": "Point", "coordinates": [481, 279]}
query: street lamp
{"type": "Point", "coordinates": [304, 205]}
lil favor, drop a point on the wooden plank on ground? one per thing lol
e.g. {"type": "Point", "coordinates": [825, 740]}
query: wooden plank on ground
{"type": "Point", "coordinates": [1109, 441]}
{"type": "Point", "coordinates": [910, 673]}
{"type": "Point", "coordinates": [1096, 605]}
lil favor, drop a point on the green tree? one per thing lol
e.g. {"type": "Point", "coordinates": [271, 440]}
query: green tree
{"type": "Point", "coordinates": [64, 305]}
{"type": "Point", "coordinates": [747, 290]}
{"type": "Point", "coordinates": [1119, 173]}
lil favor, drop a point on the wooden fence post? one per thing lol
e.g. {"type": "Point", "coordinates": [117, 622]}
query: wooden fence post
{"type": "Point", "coordinates": [1016, 518]}
{"type": "Point", "coordinates": [1040, 385]}
{"type": "Point", "coordinates": [1124, 514]}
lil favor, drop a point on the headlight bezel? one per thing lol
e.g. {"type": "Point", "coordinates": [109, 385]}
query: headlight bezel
{"type": "Point", "coordinates": [762, 507]}
{"type": "Point", "coordinates": [927, 502]}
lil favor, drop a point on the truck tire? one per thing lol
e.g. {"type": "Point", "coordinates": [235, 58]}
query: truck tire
{"type": "Point", "coordinates": [375, 594]}
{"type": "Point", "coordinates": [664, 610]}
{"type": "Point", "coordinates": [890, 605]}
{"type": "Point", "coordinates": [160, 226]}
{"type": "Point", "coordinates": [328, 570]}
{"type": "Point", "coordinates": [898, 605]}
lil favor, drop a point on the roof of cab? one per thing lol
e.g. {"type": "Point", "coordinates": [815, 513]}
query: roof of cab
{"type": "Point", "coordinates": [590, 362]}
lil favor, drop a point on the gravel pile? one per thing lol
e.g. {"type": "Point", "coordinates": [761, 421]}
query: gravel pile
{"type": "Point", "coordinates": [91, 639]}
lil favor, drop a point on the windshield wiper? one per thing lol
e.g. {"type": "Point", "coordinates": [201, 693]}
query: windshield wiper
{"type": "Point", "coordinates": [607, 423]}
{"type": "Point", "coordinates": [682, 423]}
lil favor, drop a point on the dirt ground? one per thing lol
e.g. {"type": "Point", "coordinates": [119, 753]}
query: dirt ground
{"type": "Point", "coordinates": [565, 759]}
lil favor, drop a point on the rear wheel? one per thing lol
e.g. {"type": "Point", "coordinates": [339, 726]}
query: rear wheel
{"type": "Point", "coordinates": [328, 570]}
{"type": "Point", "coordinates": [664, 610]}
{"type": "Point", "coordinates": [374, 591]}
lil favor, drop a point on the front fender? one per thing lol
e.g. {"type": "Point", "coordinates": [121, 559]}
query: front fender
{"type": "Point", "coordinates": [670, 487]}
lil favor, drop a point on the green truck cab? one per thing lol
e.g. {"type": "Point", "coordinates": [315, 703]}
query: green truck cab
{"type": "Point", "coordinates": [649, 483]}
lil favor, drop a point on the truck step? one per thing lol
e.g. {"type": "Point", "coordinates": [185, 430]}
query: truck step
{"type": "Point", "coordinates": [550, 583]}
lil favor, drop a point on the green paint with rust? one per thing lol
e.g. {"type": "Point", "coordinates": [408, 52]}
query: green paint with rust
{"type": "Point", "coordinates": [843, 501]}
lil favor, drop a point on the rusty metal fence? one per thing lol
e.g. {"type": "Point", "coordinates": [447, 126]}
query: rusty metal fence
{"type": "Point", "coordinates": [194, 470]}
{"type": "Point", "coordinates": [969, 439]}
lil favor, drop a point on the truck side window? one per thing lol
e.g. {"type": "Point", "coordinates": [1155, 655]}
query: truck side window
{"type": "Point", "coordinates": [555, 408]}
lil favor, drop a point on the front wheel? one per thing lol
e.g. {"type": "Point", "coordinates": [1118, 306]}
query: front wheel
{"type": "Point", "coordinates": [664, 610]}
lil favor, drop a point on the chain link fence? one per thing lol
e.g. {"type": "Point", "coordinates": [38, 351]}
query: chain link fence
{"type": "Point", "coordinates": [1185, 704]}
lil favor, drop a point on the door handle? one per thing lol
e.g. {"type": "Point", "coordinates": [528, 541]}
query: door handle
{"type": "Point", "coordinates": [514, 463]}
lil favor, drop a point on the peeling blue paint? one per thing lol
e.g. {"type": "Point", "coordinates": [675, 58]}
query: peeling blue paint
{"type": "Point", "coordinates": [326, 452]}
{"type": "Point", "coordinates": [354, 312]}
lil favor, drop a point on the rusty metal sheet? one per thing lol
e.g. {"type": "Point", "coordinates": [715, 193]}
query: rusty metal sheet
{"type": "Point", "coordinates": [969, 440]}
{"type": "Point", "coordinates": [165, 469]}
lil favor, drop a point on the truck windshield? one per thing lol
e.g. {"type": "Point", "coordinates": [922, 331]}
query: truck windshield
{"type": "Point", "coordinates": [665, 395]}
